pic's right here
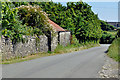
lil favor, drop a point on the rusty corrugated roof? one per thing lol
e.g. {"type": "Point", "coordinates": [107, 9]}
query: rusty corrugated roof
{"type": "Point", "coordinates": [56, 26]}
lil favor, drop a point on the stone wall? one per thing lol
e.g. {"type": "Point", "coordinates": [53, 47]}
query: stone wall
{"type": "Point", "coordinates": [54, 42]}
{"type": "Point", "coordinates": [43, 44]}
{"type": "Point", "coordinates": [31, 46]}
{"type": "Point", "coordinates": [23, 49]}
{"type": "Point", "coordinates": [6, 48]}
{"type": "Point", "coordinates": [64, 38]}
{"type": "Point", "coordinates": [0, 46]}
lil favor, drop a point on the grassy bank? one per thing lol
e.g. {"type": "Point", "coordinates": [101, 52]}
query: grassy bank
{"type": "Point", "coordinates": [59, 50]}
{"type": "Point", "coordinates": [114, 50]}
{"type": "Point", "coordinates": [71, 48]}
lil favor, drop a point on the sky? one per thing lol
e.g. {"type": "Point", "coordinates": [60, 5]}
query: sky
{"type": "Point", "coordinates": [107, 10]}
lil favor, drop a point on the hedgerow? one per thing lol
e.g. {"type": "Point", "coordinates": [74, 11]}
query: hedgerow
{"type": "Point", "coordinates": [76, 17]}
{"type": "Point", "coordinates": [23, 20]}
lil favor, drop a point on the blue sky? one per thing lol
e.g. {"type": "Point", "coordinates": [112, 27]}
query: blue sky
{"type": "Point", "coordinates": [106, 10]}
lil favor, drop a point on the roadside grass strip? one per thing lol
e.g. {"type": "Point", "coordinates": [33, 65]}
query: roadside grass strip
{"type": "Point", "coordinates": [114, 50]}
{"type": "Point", "coordinates": [59, 50]}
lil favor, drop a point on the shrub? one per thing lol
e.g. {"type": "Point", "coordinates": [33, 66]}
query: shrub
{"type": "Point", "coordinates": [76, 17]}
{"type": "Point", "coordinates": [118, 34]}
{"type": "Point", "coordinates": [75, 41]}
{"type": "Point", "coordinates": [107, 38]}
{"type": "Point", "coordinates": [34, 16]}
{"type": "Point", "coordinates": [105, 26]}
{"type": "Point", "coordinates": [11, 26]}
{"type": "Point", "coordinates": [23, 20]}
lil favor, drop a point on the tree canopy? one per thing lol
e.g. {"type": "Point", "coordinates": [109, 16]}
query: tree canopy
{"type": "Point", "coordinates": [20, 20]}
{"type": "Point", "coordinates": [105, 26]}
{"type": "Point", "coordinates": [76, 17]}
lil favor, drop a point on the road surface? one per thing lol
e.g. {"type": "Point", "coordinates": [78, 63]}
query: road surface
{"type": "Point", "coordinates": [80, 64]}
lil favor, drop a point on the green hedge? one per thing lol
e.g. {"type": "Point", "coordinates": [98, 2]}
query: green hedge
{"type": "Point", "coordinates": [23, 20]}
{"type": "Point", "coordinates": [107, 38]}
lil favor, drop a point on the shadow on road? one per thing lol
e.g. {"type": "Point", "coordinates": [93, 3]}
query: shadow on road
{"type": "Point", "coordinates": [106, 51]}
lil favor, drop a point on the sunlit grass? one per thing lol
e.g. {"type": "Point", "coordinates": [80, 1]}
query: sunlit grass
{"type": "Point", "coordinates": [72, 48]}
{"type": "Point", "coordinates": [114, 50]}
{"type": "Point", "coordinates": [29, 57]}
{"type": "Point", "coordinates": [59, 50]}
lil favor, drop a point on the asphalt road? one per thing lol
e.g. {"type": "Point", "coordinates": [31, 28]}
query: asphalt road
{"type": "Point", "coordinates": [81, 64]}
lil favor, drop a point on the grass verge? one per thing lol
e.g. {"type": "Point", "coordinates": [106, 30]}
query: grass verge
{"type": "Point", "coordinates": [114, 50]}
{"type": "Point", "coordinates": [72, 48]}
{"type": "Point", "coordinates": [29, 57]}
{"type": "Point", "coordinates": [59, 50]}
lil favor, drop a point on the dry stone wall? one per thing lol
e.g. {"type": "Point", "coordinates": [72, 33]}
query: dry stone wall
{"type": "Point", "coordinates": [23, 49]}
{"type": "Point", "coordinates": [64, 38]}
{"type": "Point", "coordinates": [6, 48]}
{"type": "Point", "coordinates": [32, 45]}
{"type": "Point", "coordinates": [42, 45]}
{"type": "Point", "coordinates": [54, 42]}
{"type": "Point", "coordinates": [0, 46]}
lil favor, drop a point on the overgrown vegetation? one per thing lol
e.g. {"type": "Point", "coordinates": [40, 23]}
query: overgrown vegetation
{"type": "Point", "coordinates": [11, 26]}
{"type": "Point", "coordinates": [108, 37]}
{"type": "Point", "coordinates": [108, 34]}
{"type": "Point", "coordinates": [106, 27]}
{"type": "Point", "coordinates": [29, 18]}
{"type": "Point", "coordinates": [76, 17]}
{"type": "Point", "coordinates": [114, 50]}
{"type": "Point", "coordinates": [72, 48]}
{"type": "Point", "coordinates": [30, 21]}
{"type": "Point", "coordinates": [80, 19]}
{"type": "Point", "coordinates": [75, 46]}
{"type": "Point", "coordinates": [118, 34]}
{"type": "Point", "coordinates": [34, 17]}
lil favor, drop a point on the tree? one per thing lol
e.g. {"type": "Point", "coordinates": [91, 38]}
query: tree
{"type": "Point", "coordinates": [23, 20]}
{"type": "Point", "coordinates": [105, 26]}
{"type": "Point", "coordinates": [76, 17]}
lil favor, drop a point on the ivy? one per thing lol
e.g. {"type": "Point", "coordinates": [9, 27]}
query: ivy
{"type": "Point", "coordinates": [34, 16]}
{"type": "Point", "coordinates": [18, 21]}
{"type": "Point", "coordinates": [11, 26]}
